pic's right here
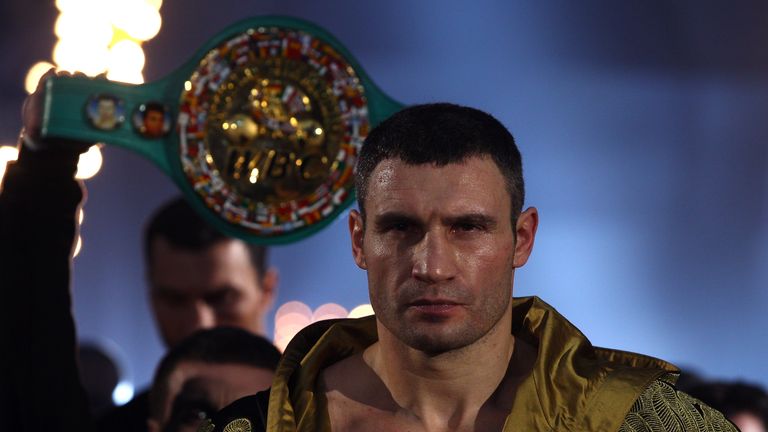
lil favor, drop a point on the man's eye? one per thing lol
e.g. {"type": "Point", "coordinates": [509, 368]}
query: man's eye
{"type": "Point", "coordinates": [467, 227]}
{"type": "Point", "coordinates": [172, 299]}
{"type": "Point", "coordinates": [223, 298]}
{"type": "Point", "coordinates": [395, 227]}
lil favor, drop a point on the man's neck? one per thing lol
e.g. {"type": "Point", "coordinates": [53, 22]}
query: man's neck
{"type": "Point", "coordinates": [445, 391]}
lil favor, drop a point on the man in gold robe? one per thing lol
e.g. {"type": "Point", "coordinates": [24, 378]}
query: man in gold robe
{"type": "Point", "coordinates": [441, 230]}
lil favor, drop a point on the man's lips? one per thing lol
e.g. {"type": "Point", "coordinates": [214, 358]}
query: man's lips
{"type": "Point", "coordinates": [433, 306]}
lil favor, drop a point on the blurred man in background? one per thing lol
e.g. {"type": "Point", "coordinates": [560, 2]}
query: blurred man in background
{"type": "Point", "coordinates": [198, 278]}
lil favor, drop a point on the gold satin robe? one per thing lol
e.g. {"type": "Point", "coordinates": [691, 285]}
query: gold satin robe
{"type": "Point", "coordinates": [573, 386]}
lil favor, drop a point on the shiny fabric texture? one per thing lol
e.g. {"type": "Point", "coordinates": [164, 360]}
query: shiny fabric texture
{"type": "Point", "coordinates": [573, 386]}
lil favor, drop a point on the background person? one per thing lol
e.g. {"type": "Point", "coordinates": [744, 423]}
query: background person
{"type": "Point", "coordinates": [198, 278]}
{"type": "Point", "coordinates": [206, 371]}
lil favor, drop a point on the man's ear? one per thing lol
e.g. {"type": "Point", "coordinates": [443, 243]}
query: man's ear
{"type": "Point", "coordinates": [356, 234]}
{"type": "Point", "coordinates": [525, 234]}
{"type": "Point", "coordinates": [269, 286]}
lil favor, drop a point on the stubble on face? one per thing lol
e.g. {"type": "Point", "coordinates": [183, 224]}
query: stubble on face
{"type": "Point", "coordinates": [438, 246]}
{"type": "Point", "coordinates": [432, 334]}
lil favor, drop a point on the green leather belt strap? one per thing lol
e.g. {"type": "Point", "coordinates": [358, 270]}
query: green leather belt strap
{"type": "Point", "coordinates": [260, 129]}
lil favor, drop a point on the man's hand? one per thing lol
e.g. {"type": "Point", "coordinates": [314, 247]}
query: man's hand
{"type": "Point", "coordinates": [32, 119]}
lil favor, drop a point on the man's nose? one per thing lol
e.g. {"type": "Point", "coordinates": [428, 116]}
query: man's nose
{"type": "Point", "coordinates": [203, 316]}
{"type": "Point", "coordinates": [433, 259]}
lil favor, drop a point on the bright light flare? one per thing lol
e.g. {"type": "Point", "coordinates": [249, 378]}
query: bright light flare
{"type": "Point", "coordinates": [78, 246]}
{"type": "Point", "coordinates": [138, 19]}
{"type": "Point", "coordinates": [360, 311]}
{"type": "Point", "coordinates": [72, 56]}
{"type": "Point", "coordinates": [89, 163]}
{"type": "Point", "coordinates": [157, 4]}
{"type": "Point", "coordinates": [85, 29]}
{"type": "Point", "coordinates": [34, 74]}
{"type": "Point", "coordinates": [7, 154]}
{"type": "Point", "coordinates": [78, 6]}
{"type": "Point", "coordinates": [123, 393]}
{"type": "Point", "coordinates": [126, 60]}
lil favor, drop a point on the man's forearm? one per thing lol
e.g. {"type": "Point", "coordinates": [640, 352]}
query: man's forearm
{"type": "Point", "coordinates": [38, 210]}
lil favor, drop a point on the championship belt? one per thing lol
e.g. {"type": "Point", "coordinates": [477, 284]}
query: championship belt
{"type": "Point", "coordinates": [260, 130]}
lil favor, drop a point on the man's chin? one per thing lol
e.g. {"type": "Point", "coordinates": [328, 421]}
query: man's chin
{"type": "Point", "coordinates": [434, 343]}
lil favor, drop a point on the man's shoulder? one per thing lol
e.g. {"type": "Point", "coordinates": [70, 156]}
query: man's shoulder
{"type": "Point", "coordinates": [248, 414]}
{"type": "Point", "coordinates": [662, 408]}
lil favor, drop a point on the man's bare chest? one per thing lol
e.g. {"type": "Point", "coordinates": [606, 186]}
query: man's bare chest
{"type": "Point", "coordinates": [348, 415]}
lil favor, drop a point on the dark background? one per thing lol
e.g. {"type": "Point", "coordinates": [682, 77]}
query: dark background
{"type": "Point", "coordinates": [642, 125]}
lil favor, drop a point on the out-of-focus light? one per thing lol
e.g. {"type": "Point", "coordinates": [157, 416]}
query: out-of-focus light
{"type": "Point", "coordinates": [157, 4]}
{"type": "Point", "coordinates": [82, 6]}
{"type": "Point", "coordinates": [71, 56]}
{"type": "Point", "coordinates": [293, 307]}
{"type": "Point", "coordinates": [78, 246]}
{"type": "Point", "coordinates": [138, 19]}
{"type": "Point", "coordinates": [287, 331]}
{"type": "Point", "coordinates": [105, 35]}
{"type": "Point", "coordinates": [287, 327]}
{"type": "Point", "coordinates": [281, 343]}
{"type": "Point", "coordinates": [134, 77]}
{"type": "Point", "coordinates": [293, 316]}
{"type": "Point", "coordinates": [123, 393]}
{"type": "Point", "coordinates": [289, 319]}
{"type": "Point", "coordinates": [80, 216]}
{"type": "Point", "coordinates": [126, 59]}
{"type": "Point", "coordinates": [329, 311]}
{"type": "Point", "coordinates": [360, 311]}
{"type": "Point", "coordinates": [84, 29]}
{"type": "Point", "coordinates": [126, 54]}
{"type": "Point", "coordinates": [89, 163]}
{"type": "Point", "coordinates": [7, 154]}
{"type": "Point", "coordinates": [34, 74]}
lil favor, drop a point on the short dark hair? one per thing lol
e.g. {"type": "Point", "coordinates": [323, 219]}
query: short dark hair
{"type": "Point", "coordinates": [154, 106]}
{"type": "Point", "coordinates": [218, 345]}
{"type": "Point", "coordinates": [441, 134]}
{"type": "Point", "coordinates": [181, 226]}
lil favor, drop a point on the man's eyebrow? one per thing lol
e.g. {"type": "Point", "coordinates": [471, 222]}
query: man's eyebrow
{"type": "Point", "coordinates": [168, 291]}
{"type": "Point", "coordinates": [479, 219]}
{"type": "Point", "coordinates": [219, 292]}
{"type": "Point", "coordinates": [393, 217]}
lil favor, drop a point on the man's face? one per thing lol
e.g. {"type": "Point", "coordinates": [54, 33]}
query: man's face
{"type": "Point", "coordinates": [197, 390]}
{"type": "Point", "coordinates": [439, 248]}
{"type": "Point", "coordinates": [153, 123]}
{"type": "Point", "coordinates": [106, 113]}
{"type": "Point", "coordinates": [193, 290]}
